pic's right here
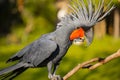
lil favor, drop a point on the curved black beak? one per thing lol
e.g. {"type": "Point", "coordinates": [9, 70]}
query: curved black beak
{"type": "Point", "coordinates": [89, 34]}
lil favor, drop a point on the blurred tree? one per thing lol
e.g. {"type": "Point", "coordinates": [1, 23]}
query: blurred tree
{"type": "Point", "coordinates": [117, 23]}
{"type": "Point", "coordinates": [18, 18]}
{"type": "Point", "coordinates": [9, 15]}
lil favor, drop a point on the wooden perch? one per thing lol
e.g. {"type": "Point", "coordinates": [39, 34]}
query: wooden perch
{"type": "Point", "coordinates": [87, 64]}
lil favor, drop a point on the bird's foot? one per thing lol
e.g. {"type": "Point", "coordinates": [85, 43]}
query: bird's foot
{"type": "Point", "coordinates": [56, 77]}
{"type": "Point", "coordinates": [50, 76]}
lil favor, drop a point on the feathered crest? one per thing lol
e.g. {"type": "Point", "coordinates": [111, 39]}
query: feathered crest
{"type": "Point", "coordinates": [87, 13]}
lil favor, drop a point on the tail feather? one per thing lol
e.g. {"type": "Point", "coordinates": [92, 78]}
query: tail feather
{"type": "Point", "coordinates": [21, 70]}
{"type": "Point", "coordinates": [13, 74]}
{"type": "Point", "coordinates": [11, 68]}
{"type": "Point", "coordinates": [12, 71]}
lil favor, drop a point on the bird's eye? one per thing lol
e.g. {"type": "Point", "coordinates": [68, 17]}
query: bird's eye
{"type": "Point", "coordinates": [78, 28]}
{"type": "Point", "coordinates": [80, 38]}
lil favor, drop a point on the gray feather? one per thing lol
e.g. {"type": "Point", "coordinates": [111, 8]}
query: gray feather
{"type": "Point", "coordinates": [42, 50]}
{"type": "Point", "coordinates": [19, 54]}
{"type": "Point", "coordinates": [12, 68]}
{"type": "Point", "coordinates": [87, 16]}
{"type": "Point", "coordinates": [37, 52]}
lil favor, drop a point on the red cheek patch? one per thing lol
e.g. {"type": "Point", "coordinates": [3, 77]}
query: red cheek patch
{"type": "Point", "coordinates": [78, 33]}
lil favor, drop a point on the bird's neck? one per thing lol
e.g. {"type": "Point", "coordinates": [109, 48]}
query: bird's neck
{"type": "Point", "coordinates": [64, 32]}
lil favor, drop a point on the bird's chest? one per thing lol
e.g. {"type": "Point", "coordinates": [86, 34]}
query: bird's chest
{"type": "Point", "coordinates": [64, 45]}
{"type": "Point", "coordinates": [63, 48]}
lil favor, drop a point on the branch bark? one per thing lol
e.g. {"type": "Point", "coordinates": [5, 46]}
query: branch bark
{"type": "Point", "coordinates": [87, 64]}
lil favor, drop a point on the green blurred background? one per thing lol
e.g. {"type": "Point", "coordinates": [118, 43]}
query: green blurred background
{"type": "Point", "coordinates": [22, 22]}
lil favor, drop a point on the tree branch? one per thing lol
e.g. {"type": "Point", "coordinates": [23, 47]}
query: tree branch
{"type": "Point", "coordinates": [87, 64]}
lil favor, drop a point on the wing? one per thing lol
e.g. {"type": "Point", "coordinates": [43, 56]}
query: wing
{"type": "Point", "coordinates": [20, 54]}
{"type": "Point", "coordinates": [36, 52]}
{"type": "Point", "coordinates": [41, 51]}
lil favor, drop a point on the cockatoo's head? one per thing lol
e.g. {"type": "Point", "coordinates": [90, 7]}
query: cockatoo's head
{"type": "Point", "coordinates": [85, 17]}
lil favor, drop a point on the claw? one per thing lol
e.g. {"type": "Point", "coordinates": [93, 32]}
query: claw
{"type": "Point", "coordinates": [50, 76]}
{"type": "Point", "coordinates": [56, 77]}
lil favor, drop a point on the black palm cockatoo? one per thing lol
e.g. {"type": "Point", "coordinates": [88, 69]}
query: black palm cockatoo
{"type": "Point", "coordinates": [50, 48]}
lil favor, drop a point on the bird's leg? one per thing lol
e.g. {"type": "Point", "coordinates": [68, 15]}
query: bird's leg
{"type": "Point", "coordinates": [55, 69]}
{"type": "Point", "coordinates": [51, 72]}
{"type": "Point", "coordinates": [58, 77]}
{"type": "Point", "coordinates": [49, 66]}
